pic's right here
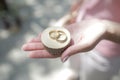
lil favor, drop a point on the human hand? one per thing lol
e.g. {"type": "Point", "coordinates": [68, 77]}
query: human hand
{"type": "Point", "coordinates": [85, 36]}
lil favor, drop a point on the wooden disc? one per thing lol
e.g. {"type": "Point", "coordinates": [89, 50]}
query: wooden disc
{"type": "Point", "coordinates": [55, 39]}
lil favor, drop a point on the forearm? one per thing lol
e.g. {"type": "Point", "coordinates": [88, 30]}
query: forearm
{"type": "Point", "coordinates": [112, 31]}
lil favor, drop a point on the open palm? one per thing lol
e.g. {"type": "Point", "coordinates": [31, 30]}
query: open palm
{"type": "Point", "coordinates": [85, 36]}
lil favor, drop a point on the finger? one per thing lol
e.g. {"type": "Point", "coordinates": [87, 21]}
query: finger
{"type": "Point", "coordinates": [77, 48]}
{"type": "Point", "coordinates": [39, 35]}
{"type": "Point", "coordinates": [76, 5]}
{"type": "Point", "coordinates": [38, 38]}
{"type": "Point", "coordinates": [69, 51]}
{"type": "Point", "coordinates": [32, 46]}
{"type": "Point", "coordinates": [41, 54]}
{"type": "Point", "coordinates": [34, 40]}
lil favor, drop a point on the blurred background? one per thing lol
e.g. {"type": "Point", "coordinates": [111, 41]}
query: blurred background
{"type": "Point", "coordinates": [21, 20]}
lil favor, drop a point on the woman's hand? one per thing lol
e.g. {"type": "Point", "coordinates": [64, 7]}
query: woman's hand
{"type": "Point", "coordinates": [85, 36]}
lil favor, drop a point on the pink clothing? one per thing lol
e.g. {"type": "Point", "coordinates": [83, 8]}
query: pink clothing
{"type": "Point", "coordinates": [103, 9]}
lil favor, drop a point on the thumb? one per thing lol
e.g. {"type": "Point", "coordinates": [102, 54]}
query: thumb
{"type": "Point", "coordinates": [69, 52]}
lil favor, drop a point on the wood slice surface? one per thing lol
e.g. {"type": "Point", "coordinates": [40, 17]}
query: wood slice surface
{"type": "Point", "coordinates": [55, 39]}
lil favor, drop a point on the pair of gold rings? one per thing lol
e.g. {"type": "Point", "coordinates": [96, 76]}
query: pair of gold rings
{"type": "Point", "coordinates": [58, 35]}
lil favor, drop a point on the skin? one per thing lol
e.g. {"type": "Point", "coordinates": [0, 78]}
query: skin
{"type": "Point", "coordinates": [85, 36]}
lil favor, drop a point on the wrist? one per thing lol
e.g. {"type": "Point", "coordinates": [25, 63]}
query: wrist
{"type": "Point", "coordinates": [108, 29]}
{"type": "Point", "coordinates": [112, 31]}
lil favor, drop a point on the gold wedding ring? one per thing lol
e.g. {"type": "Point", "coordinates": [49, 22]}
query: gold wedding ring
{"type": "Point", "coordinates": [58, 35]}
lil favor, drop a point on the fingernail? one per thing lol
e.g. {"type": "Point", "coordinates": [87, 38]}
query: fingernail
{"type": "Point", "coordinates": [23, 47]}
{"type": "Point", "coordinates": [65, 59]}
